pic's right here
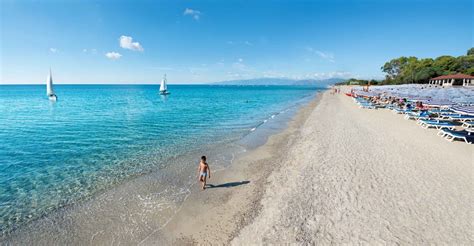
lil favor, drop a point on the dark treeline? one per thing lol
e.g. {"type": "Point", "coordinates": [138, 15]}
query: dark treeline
{"type": "Point", "coordinates": [406, 70]}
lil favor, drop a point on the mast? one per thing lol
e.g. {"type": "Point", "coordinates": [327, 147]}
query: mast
{"type": "Point", "coordinates": [49, 84]}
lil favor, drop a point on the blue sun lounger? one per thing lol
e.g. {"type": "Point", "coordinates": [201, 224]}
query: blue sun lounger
{"type": "Point", "coordinates": [440, 111]}
{"type": "Point", "coordinates": [461, 117]}
{"type": "Point", "coordinates": [402, 111]}
{"type": "Point", "coordinates": [468, 125]}
{"type": "Point", "coordinates": [450, 135]}
{"type": "Point", "coordinates": [417, 115]}
{"type": "Point", "coordinates": [367, 105]}
{"type": "Point", "coordinates": [364, 103]}
{"type": "Point", "coordinates": [436, 124]}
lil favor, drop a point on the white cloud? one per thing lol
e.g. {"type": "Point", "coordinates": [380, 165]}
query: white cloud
{"type": "Point", "coordinates": [113, 55]}
{"type": "Point", "coordinates": [126, 42]}
{"type": "Point", "coordinates": [248, 43]}
{"type": "Point", "coordinates": [240, 60]}
{"type": "Point", "coordinates": [53, 50]}
{"type": "Point", "coordinates": [196, 14]}
{"type": "Point", "coordinates": [84, 50]}
{"type": "Point", "coordinates": [324, 55]}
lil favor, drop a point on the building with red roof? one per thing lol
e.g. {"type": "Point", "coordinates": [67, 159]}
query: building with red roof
{"type": "Point", "coordinates": [458, 79]}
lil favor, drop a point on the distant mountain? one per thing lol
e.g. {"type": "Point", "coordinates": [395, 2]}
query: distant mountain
{"type": "Point", "coordinates": [280, 81]}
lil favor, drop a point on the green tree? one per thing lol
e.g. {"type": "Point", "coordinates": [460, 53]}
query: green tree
{"type": "Point", "coordinates": [447, 64]}
{"type": "Point", "coordinates": [470, 71]}
{"type": "Point", "coordinates": [413, 70]}
{"type": "Point", "coordinates": [470, 52]}
{"type": "Point", "coordinates": [395, 68]}
{"type": "Point", "coordinates": [464, 63]}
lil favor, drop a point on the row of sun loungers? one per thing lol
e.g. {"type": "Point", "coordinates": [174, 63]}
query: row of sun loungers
{"type": "Point", "coordinates": [436, 124]}
{"type": "Point", "coordinates": [446, 121]}
{"type": "Point", "coordinates": [451, 135]}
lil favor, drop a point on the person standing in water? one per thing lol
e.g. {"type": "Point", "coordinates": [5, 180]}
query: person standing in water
{"type": "Point", "coordinates": [203, 172]}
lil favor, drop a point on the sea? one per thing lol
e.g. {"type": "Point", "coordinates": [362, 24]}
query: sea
{"type": "Point", "coordinates": [58, 156]}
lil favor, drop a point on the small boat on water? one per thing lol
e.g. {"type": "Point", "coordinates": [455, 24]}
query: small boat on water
{"type": "Point", "coordinates": [164, 87]}
{"type": "Point", "coordinates": [49, 88]}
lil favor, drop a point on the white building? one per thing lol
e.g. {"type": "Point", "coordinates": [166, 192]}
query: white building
{"type": "Point", "coordinates": [453, 80]}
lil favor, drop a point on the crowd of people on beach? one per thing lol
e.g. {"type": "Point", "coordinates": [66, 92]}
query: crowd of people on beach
{"type": "Point", "coordinates": [401, 103]}
{"type": "Point", "coordinates": [454, 121]}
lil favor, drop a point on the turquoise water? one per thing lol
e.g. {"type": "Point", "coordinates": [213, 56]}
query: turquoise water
{"type": "Point", "coordinates": [54, 154]}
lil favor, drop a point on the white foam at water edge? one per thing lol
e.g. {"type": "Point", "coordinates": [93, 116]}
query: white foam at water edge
{"type": "Point", "coordinates": [253, 129]}
{"type": "Point", "coordinates": [265, 121]}
{"type": "Point", "coordinates": [273, 116]}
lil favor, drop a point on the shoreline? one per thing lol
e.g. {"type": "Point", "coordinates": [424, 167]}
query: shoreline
{"type": "Point", "coordinates": [338, 175]}
{"type": "Point", "coordinates": [74, 223]}
{"type": "Point", "coordinates": [224, 211]}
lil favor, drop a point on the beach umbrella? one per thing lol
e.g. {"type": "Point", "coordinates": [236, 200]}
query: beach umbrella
{"type": "Point", "coordinates": [439, 103]}
{"type": "Point", "coordinates": [416, 98]}
{"type": "Point", "coordinates": [463, 109]}
{"type": "Point", "coordinates": [366, 93]}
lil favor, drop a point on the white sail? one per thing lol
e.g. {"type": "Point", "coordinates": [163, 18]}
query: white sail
{"type": "Point", "coordinates": [163, 86]}
{"type": "Point", "coordinates": [49, 84]}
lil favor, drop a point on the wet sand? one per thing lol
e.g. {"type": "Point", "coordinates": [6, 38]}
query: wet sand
{"type": "Point", "coordinates": [338, 174]}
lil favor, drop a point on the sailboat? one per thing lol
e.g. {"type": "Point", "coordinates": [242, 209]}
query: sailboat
{"type": "Point", "coordinates": [164, 87]}
{"type": "Point", "coordinates": [49, 88]}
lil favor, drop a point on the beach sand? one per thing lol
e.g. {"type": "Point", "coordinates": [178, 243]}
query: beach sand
{"type": "Point", "coordinates": [338, 174]}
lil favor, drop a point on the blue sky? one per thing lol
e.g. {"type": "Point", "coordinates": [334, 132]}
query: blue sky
{"type": "Point", "coordinates": [204, 41]}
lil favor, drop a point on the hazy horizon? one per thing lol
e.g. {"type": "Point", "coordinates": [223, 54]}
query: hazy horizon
{"type": "Point", "coordinates": [158, 82]}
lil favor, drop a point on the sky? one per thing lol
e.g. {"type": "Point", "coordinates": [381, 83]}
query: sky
{"type": "Point", "coordinates": [138, 41]}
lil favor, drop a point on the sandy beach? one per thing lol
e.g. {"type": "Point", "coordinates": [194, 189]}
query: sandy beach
{"type": "Point", "coordinates": [339, 174]}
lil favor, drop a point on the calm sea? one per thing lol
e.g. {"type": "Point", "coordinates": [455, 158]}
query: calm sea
{"type": "Point", "coordinates": [54, 154]}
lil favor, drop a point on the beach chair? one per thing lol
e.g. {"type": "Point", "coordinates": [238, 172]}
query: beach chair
{"type": "Point", "coordinates": [440, 111]}
{"type": "Point", "coordinates": [363, 103]}
{"type": "Point", "coordinates": [417, 115]}
{"type": "Point", "coordinates": [447, 115]}
{"type": "Point", "coordinates": [402, 111]}
{"type": "Point", "coordinates": [436, 124]}
{"type": "Point", "coordinates": [461, 117]}
{"type": "Point", "coordinates": [380, 105]}
{"type": "Point", "coordinates": [468, 125]}
{"type": "Point", "coordinates": [367, 105]}
{"type": "Point", "coordinates": [451, 135]}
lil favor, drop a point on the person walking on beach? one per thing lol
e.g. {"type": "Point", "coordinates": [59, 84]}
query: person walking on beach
{"type": "Point", "coordinates": [203, 171]}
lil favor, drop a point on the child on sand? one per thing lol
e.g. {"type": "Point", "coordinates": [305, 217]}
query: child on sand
{"type": "Point", "coordinates": [203, 171]}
